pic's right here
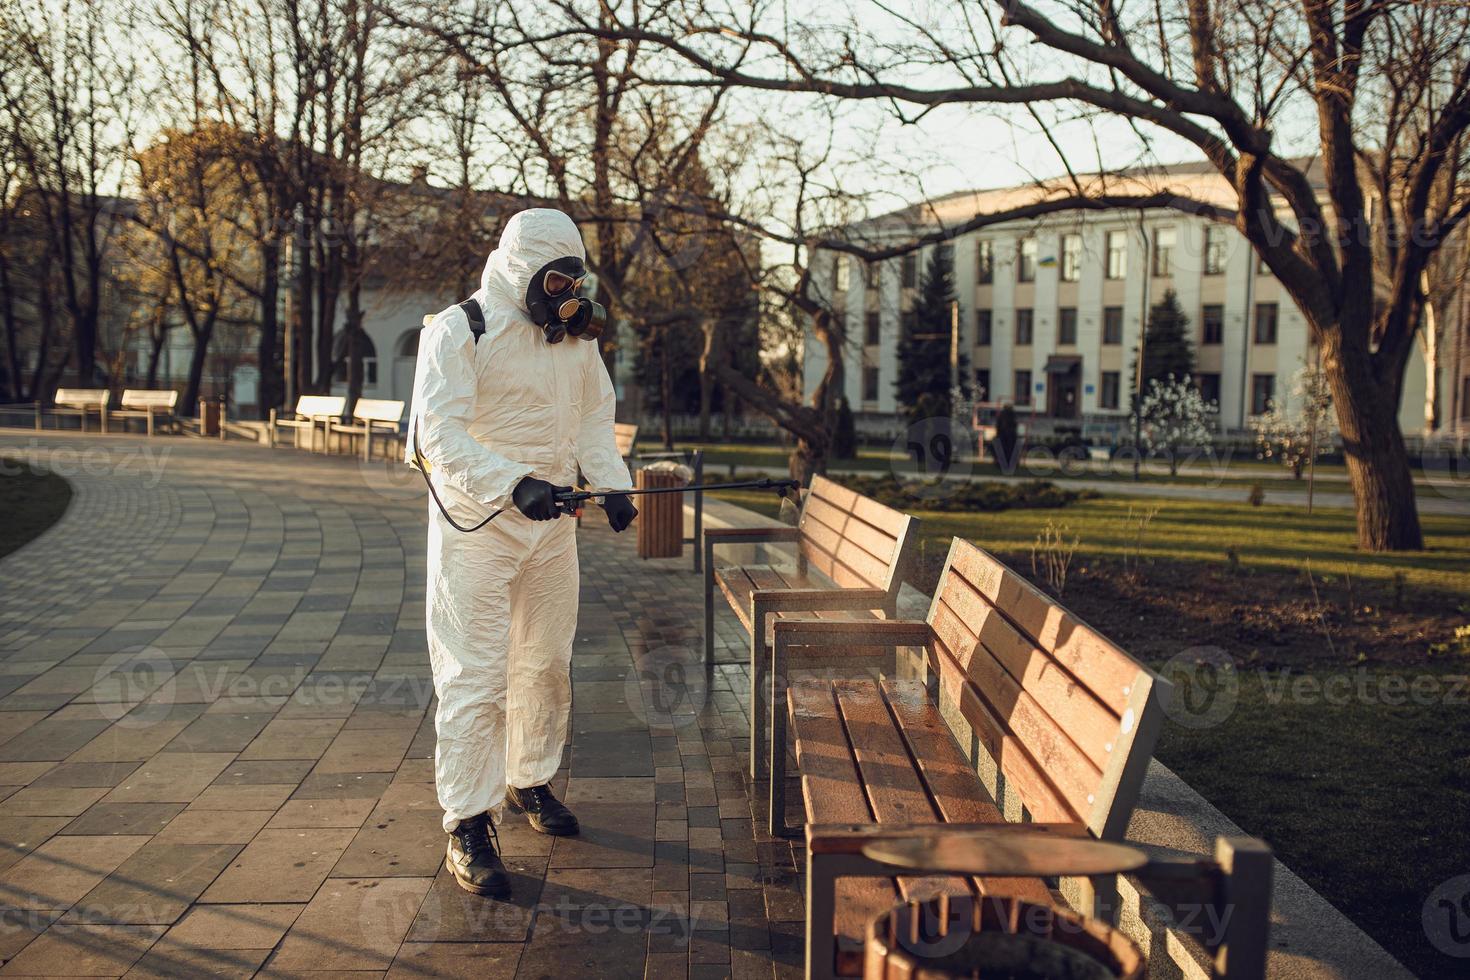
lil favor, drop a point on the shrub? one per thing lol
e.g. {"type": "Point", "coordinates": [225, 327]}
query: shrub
{"type": "Point", "coordinates": [979, 495]}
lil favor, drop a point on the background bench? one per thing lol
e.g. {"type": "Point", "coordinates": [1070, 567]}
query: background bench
{"type": "Point", "coordinates": [148, 404]}
{"type": "Point", "coordinates": [81, 402]}
{"type": "Point", "coordinates": [850, 554]}
{"type": "Point", "coordinates": [311, 411]}
{"type": "Point", "coordinates": [1067, 722]}
{"type": "Point", "coordinates": [370, 416]}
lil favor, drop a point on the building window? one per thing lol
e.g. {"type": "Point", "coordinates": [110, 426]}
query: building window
{"type": "Point", "coordinates": [1265, 323]}
{"type": "Point", "coordinates": [984, 262]}
{"type": "Point", "coordinates": [1212, 324]}
{"type": "Point", "coordinates": [1164, 240]}
{"type": "Point", "coordinates": [841, 278]}
{"type": "Point", "coordinates": [1214, 250]}
{"type": "Point", "coordinates": [1108, 397]}
{"type": "Point", "coordinates": [1117, 249]}
{"type": "Point", "coordinates": [1263, 392]}
{"type": "Point", "coordinates": [982, 383]}
{"type": "Point", "coordinates": [872, 331]}
{"type": "Point", "coordinates": [1026, 261]}
{"type": "Point", "coordinates": [1209, 387]}
{"type": "Point", "coordinates": [1023, 387]}
{"type": "Point", "coordinates": [1023, 327]}
{"type": "Point", "coordinates": [1112, 325]}
{"type": "Point", "coordinates": [910, 271]}
{"type": "Point", "coordinates": [982, 328]}
{"type": "Point", "coordinates": [870, 384]}
{"type": "Point", "coordinates": [1067, 325]}
{"type": "Point", "coordinates": [1071, 258]}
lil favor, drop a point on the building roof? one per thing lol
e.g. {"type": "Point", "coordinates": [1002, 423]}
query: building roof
{"type": "Point", "coordinates": [1198, 180]}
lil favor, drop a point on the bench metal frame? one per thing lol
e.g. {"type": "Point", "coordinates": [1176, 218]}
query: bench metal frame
{"type": "Point", "coordinates": [769, 602]}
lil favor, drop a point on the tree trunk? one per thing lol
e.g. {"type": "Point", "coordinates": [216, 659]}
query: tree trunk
{"type": "Point", "coordinates": [666, 390]}
{"type": "Point", "coordinates": [271, 391]}
{"type": "Point", "coordinates": [86, 349]}
{"type": "Point", "coordinates": [196, 368]}
{"type": "Point", "coordinates": [1377, 461]}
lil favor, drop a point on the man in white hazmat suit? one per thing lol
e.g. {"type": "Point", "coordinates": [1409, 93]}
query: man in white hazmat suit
{"type": "Point", "coordinates": [503, 419]}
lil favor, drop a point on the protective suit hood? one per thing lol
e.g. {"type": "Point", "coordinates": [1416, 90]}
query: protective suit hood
{"type": "Point", "coordinates": [531, 239]}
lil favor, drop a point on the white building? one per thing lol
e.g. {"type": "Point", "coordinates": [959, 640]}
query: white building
{"type": "Point", "coordinates": [1051, 309]}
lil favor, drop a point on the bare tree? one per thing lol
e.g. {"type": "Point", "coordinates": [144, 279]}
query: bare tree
{"type": "Point", "coordinates": [1388, 83]}
{"type": "Point", "coordinates": [70, 97]}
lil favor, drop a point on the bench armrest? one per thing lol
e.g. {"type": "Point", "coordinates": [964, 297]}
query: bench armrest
{"type": "Point", "coordinates": [777, 599]}
{"type": "Point", "coordinates": [836, 632]}
{"type": "Point", "coordinates": [722, 535]}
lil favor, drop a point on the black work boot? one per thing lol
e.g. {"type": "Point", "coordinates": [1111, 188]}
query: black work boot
{"type": "Point", "coordinates": [473, 858]}
{"type": "Point", "coordinates": [548, 814]}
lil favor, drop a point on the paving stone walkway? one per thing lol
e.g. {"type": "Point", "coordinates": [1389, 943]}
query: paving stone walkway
{"type": "Point", "coordinates": [216, 744]}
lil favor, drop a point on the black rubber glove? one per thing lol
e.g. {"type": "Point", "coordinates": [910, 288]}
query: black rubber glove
{"type": "Point", "coordinates": [620, 511]}
{"type": "Point", "coordinates": [536, 499]}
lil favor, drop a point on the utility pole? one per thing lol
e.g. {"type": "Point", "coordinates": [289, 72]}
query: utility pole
{"type": "Point", "coordinates": [1142, 342]}
{"type": "Point", "coordinates": [954, 345]}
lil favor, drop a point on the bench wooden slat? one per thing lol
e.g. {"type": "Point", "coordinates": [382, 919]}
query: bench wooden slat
{"type": "Point", "coordinates": [149, 398]}
{"type": "Point", "coordinates": [821, 544]}
{"type": "Point", "coordinates": [832, 793]}
{"type": "Point", "coordinates": [1047, 740]}
{"type": "Point", "coordinates": [1106, 670]}
{"type": "Point", "coordinates": [893, 788]}
{"type": "Point", "coordinates": [1043, 800]}
{"type": "Point", "coordinates": [377, 410]}
{"type": "Point", "coordinates": [874, 541]}
{"type": "Point", "coordinates": [865, 509]}
{"type": "Point", "coordinates": [954, 787]}
{"type": "Point", "coordinates": [962, 612]}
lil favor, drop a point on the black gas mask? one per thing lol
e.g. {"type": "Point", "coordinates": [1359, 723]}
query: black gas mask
{"type": "Point", "coordinates": [555, 307]}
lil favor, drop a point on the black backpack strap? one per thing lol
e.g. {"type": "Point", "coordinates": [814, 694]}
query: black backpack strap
{"type": "Point", "coordinates": [476, 316]}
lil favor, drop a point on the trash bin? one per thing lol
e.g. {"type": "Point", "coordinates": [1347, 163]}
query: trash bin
{"type": "Point", "coordinates": [660, 515]}
{"type": "Point", "coordinates": [996, 936]}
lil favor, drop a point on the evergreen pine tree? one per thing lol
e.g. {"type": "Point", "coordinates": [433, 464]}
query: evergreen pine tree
{"type": "Point", "coordinates": [923, 345]}
{"type": "Point", "coordinates": [1166, 347]}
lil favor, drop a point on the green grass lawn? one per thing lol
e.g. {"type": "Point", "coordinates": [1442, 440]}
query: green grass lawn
{"type": "Point", "coordinates": [31, 501]}
{"type": "Point", "coordinates": [1364, 796]}
{"type": "Point", "coordinates": [1267, 537]}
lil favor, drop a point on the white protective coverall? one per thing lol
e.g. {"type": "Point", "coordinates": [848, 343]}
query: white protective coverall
{"type": "Point", "coordinates": [502, 601]}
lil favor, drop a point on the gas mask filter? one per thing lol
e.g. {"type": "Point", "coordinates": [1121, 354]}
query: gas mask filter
{"type": "Point", "coordinates": [555, 307]}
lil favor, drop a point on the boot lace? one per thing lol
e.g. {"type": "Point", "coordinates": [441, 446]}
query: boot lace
{"type": "Point", "coordinates": [478, 838]}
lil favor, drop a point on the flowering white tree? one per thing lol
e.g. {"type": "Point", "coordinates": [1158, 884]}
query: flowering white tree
{"type": "Point", "coordinates": [1291, 432]}
{"type": "Point", "coordinates": [1173, 415]}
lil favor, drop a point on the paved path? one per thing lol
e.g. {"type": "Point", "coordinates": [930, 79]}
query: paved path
{"type": "Point", "coordinates": [215, 745]}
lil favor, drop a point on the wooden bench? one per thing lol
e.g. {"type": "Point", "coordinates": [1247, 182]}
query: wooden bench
{"type": "Point", "coordinates": [370, 416]}
{"type": "Point", "coordinates": [851, 554]}
{"type": "Point", "coordinates": [311, 411]}
{"type": "Point", "coordinates": [625, 434]}
{"type": "Point", "coordinates": [81, 402]}
{"type": "Point", "coordinates": [148, 404]}
{"type": "Point", "coordinates": [1066, 721]}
